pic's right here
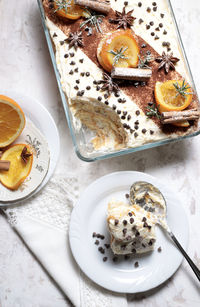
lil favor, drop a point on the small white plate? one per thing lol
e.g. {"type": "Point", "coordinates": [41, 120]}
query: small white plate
{"type": "Point", "coordinates": [43, 120]}
{"type": "Point", "coordinates": [89, 215]}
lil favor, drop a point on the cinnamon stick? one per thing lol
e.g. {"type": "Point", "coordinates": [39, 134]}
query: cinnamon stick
{"type": "Point", "coordinates": [4, 165]}
{"type": "Point", "coordinates": [135, 74]}
{"type": "Point", "coordinates": [178, 116]}
{"type": "Point", "coordinates": [96, 5]}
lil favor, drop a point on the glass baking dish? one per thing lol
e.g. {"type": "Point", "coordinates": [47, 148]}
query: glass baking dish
{"type": "Point", "coordinates": [81, 137]}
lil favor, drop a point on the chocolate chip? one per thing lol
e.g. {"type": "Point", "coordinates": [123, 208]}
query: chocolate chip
{"type": "Point", "coordinates": [115, 259]}
{"type": "Point", "coordinates": [96, 242]}
{"type": "Point", "coordinates": [117, 94]}
{"type": "Point", "coordinates": [62, 43]}
{"type": "Point", "coordinates": [148, 9]}
{"type": "Point", "coordinates": [123, 117]}
{"type": "Point", "coordinates": [77, 81]}
{"type": "Point", "coordinates": [162, 15]}
{"type": "Point", "coordinates": [76, 87]}
{"type": "Point", "coordinates": [134, 229]}
{"type": "Point", "coordinates": [95, 82]}
{"type": "Point", "coordinates": [152, 33]}
{"type": "Point", "coordinates": [82, 74]}
{"type": "Point", "coordinates": [66, 55]}
{"type": "Point", "coordinates": [147, 27]}
{"type": "Point", "coordinates": [164, 32]}
{"type": "Point", "coordinates": [139, 4]}
{"type": "Point", "coordinates": [131, 131]}
{"type": "Point", "coordinates": [131, 220]}
{"type": "Point", "coordinates": [102, 237]}
{"type": "Point", "coordinates": [114, 107]}
{"type": "Point", "coordinates": [94, 235]}
{"type": "Point", "coordinates": [144, 130]}
{"type": "Point", "coordinates": [155, 8]}
{"type": "Point", "coordinates": [133, 251]}
{"type": "Point", "coordinates": [128, 238]}
{"type": "Point", "coordinates": [137, 233]}
{"type": "Point", "coordinates": [81, 60]}
{"type": "Point", "coordinates": [98, 235]}
{"type": "Point", "coordinates": [123, 100]}
{"type": "Point", "coordinates": [107, 245]}
{"type": "Point", "coordinates": [136, 264]}
{"type": "Point", "coordinates": [168, 49]}
{"type": "Point", "coordinates": [105, 259]}
{"type": "Point", "coordinates": [124, 222]}
{"type": "Point", "coordinates": [106, 102]}
{"type": "Point", "coordinates": [88, 87]}
{"type": "Point", "coordinates": [140, 21]}
{"type": "Point", "coordinates": [87, 74]}
{"type": "Point", "coordinates": [101, 250]}
{"type": "Point", "coordinates": [135, 134]}
{"type": "Point", "coordinates": [128, 117]}
{"type": "Point", "coordinates": [99, 98]}
{"type": "Point", "coordinates": [124, 113]}
{"type": "Point", "coordinates": [106, 96]}
{"type": "Point", "coordinates": [71, 72]}
{"type": "Point", "coordinates": [72, 63]}
{"type": "Point", "coordinates": [126, 3]}
{"type": "Point", "coordinates": [76, 69]}
{"type": "Point", "coordinates": [154, 3]}
{"type": "Point", "coordinates": [119, 112]}
{"type": "Point", "coordinates": [98, 88]}
{"type": "Point", "coordinates": [151, 132]}
{"type": "Point", "coordinates": [157, 29]}
{"type": "Point", "coordinates": [159, 249]}
{"type": "Point", "coordinates": [116, 222]}
{"type": "Point", "coordinates": [156, 37]}
{"type": "Point", "coordinates": [55, 35]}
{"type": "Point", "coordinates": [144, 219]}
{"type": "Point", "coordinates": [71, 54]}
{"type": "Point", "coordinates": [124, 231]}
{"type": "Point", "coordinates": [130, 213]}
{"type": "Point", "coordinates": [119, 100]}
{"type": "Point", "coordinates": [137, 112]}
{"type": "Point", "coordinates": [160, 25]}
{"type": "Point", "coordinates": [151, 23]}
{"type": "Point", "coordinates": [136, 127]}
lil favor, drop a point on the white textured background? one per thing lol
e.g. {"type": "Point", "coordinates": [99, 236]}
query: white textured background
{"type": "Point", "coordinates": [25, 67]}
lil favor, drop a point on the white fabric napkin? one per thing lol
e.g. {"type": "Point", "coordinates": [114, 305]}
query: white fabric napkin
{"type": "Point", "coordinates": [42, 221]}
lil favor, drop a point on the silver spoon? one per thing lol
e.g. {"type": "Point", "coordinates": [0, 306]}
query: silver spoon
{"type": "Point", "coordinates": [151, 199]}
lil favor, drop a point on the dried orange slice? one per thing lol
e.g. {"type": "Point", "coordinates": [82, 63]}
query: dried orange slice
{"type": "Point", "coordinates": [168, 98]}
{"type": "Point", "coordinates": [118, 49]}
{"type": "Point", "coordinates": [12, 121]}
{"type": "Point", "coordinates": [19, 168]}
{"type": "Point", "coordinates": [173, 95]}
{"type": "Point", "coordinates": [67, 9]}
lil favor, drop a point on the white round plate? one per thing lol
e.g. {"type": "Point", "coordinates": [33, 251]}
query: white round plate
{"type": "Point", "coordinates": [43, 120]}
{"type": "Point", "coordinates": [89, 215]}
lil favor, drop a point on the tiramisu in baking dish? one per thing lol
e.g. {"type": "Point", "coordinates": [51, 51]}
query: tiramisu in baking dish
{"type": "Point", "coordinates": [123, 72]}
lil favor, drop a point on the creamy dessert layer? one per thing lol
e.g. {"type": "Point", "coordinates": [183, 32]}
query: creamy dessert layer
{"type": "Point", "coordinates": [117, 116]}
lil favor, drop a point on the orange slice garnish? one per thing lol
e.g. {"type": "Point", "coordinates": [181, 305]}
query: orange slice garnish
{"type": "Point", "coordinates": [12, 121]}
{"type": "Point", "coordinates": [70, 11]}
{"type": "Point", "coordinates": [19, 169]}
{"type": "Point", "coordinates": [120, 41]}
{"type": "Point", "coordinates": [169, 99]}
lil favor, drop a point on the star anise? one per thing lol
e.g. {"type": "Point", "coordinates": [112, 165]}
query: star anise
{"type": "Point", "coordinates": [124, 20]}
{"type": "Point", "coordinates": [108, 84]}
{"type": "Point", "coordinates": [25, 155]}
{"type": "Point", "coordinates": [75, 39]}
{"type": "Point", "coordinates": [167, 61]}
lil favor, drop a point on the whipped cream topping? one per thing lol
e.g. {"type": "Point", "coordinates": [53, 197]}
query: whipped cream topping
{"type": "Point", "coordinates": [132, 229]}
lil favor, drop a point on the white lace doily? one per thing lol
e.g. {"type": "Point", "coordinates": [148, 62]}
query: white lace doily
{"type": "Point", "coordinates": [52, 207]}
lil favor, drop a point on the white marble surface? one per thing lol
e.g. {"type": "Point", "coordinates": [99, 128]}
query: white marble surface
{"type": "Point", "coordinates": [25, 66]}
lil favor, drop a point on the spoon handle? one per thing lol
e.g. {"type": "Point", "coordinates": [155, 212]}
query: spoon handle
{"type": "Point", "coordinates": [189, 260]}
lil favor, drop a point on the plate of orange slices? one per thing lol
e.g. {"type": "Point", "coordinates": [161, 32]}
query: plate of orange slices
{"type": "Point", "coordinates": [29, 147]}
